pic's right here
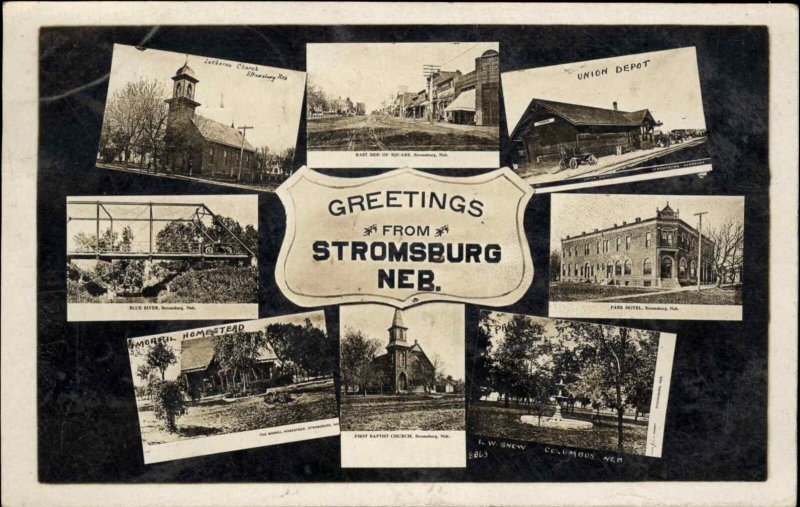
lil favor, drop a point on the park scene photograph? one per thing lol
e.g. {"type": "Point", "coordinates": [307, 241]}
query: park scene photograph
{"type": "Point", "coordinates": [235, 378]}
{"type": "Point", "coordinates": [571, 384]}
{"type": "Point", "coordinates": [203, 119]}
{"type": "Point", "coordinates": [402, 369]}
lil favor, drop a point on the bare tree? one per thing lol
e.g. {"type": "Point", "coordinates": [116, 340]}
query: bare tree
{"type": "Point", "coordinates": [728, 255]}
{"type": "Point", "coordinates": [133, 114]}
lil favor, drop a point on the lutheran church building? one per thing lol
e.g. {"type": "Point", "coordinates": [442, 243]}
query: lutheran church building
{"type": "Point", "coordinates": [199, 146]}
{"type": "Point", "coordinates": [405, 367]}
{"type": "Point", "coordinates": [661, 251]}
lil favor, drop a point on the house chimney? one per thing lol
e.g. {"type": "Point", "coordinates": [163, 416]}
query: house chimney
{"type": "Point", "coordinates": [638, 219]}
{"type": "Point", "coordinates": [595, 230]}
{"type": "Point", "coordinates": [615, 105]}
{"type": "Point", "coordinates": [567, 236]}
{"type": "Point", "coordinates": [415, 342]}
{"type": "Point", "coordinates": [583, 232]}
{"type": "Point", "coordinates": [615, 225]}
{"type": "Point", "coordinates": [624, 222]}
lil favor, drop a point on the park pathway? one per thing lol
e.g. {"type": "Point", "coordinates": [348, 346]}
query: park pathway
{"type": "Point", "coordinates": [655, 293]}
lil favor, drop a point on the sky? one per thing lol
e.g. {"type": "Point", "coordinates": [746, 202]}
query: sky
{"type": "Point", "coordinates": [242, 208]}
{"type": "Point", "coordinates": [439, 328]}
{"type": "Point", "coordinates": [374, 72]}
{"type": "Point", "coordinates": [272, 107]}
{"type": "Point", "coordinates": [138, 356]}
{"type": "Point", "coordinates": [575, 213]}
{"type": "Point", "coordinates": [669, 86]}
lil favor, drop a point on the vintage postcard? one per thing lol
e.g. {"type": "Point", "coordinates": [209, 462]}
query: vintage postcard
{"type": "Point", "coordinates": [393, 104]}
{"type": "Point", "coordinates": [176, 257]}
{"type": "Point", "coordinates": [200, 119]}
{"type": "Point", "coordinates": [234, 386]}
{"type": "Point", "coordinates": [402, 397]}
{"type": "Point", "coordinates": [646, 256]}
{"type": "Point", "coordinates": [582, 390]}
{"type": "Point", "coordinates": [404, 237]}
{"type": "Point", "coordinates": [607, 121]}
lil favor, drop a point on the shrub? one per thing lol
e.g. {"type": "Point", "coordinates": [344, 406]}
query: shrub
{"type": "Point", "coordinates": [227, 284]}
{"type": "Point", "coordinates": [169, 401]}
{"type": "Point", "coordinates": [278, 398]}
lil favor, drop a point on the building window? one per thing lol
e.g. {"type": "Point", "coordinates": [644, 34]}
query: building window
{"type": "Point", "coordinates": [177, 89]}
{"type": "Point", "coordinates": [628, 242]}
{"type": "Point", "coordinates": [647, 239]}
{"type": "Point", "coordinates": [211, 154]}
{"type": "Point", "coordinates": [586, 269]}
{"type": "Point", "coordinates": [618, 268]}
{"type": "Point", "coordinates": [619, 242]}
{"type": "Point", "coordinates": [605, 246]}
{"type": "Point", "coordinates": [586, 249]}
{"type": "Point", "coordinates": [682, 268]}
{"type": "Point", "coordinates": [693, 269]}
{"type": "Point", "coordinates": [609, 270]}
{"type": "Point", "coordinates": [647, 267]}
{"type": "Point", "coordinates": [598, 247]}
{"type": "Point", "coordinates": [627, 266]}
{"type": "Point", "coordinates": [225, 158]}
{"type": "Point", "coordinates": [189, 90]}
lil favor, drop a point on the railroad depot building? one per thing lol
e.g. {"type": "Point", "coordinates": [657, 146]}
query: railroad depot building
{"type": "Point", "coordinates": [656, 252]}
{"type": "Point", "coordinates": [547, 128]}
{"type": "Point", "coordinates": [200, 146]}
{"type": "Point", "coordinates": [200, 369]}
{"type": "Point", "coordinates": [405, 367]}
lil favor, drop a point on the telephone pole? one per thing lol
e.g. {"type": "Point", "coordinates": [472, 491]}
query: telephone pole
{"type": "Point", "coordinates": [699, 246]}
{"type": "Point", "coordinates": [244, 130]}
{"type": "Point", "coordinates": [429, 71]}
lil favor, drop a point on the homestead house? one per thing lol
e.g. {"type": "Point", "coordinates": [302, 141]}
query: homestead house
{"type": "Point", "coordinates": [547, 127]}
{"type": "Point", "coordinates": [200, 371]}
{"type": "Point", "coordinates": [200, 146]}
{"type": "Point", "coordinates": [405, 367]}
{"type": "Point", "coordinates": [656, 252]}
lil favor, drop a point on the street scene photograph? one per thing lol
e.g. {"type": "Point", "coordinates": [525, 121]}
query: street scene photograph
{"type": "Point", "coordinates": [202, 119]}
{"type": "Point", "coordinates": [402, 369]}
{"type": "Point", "coordinates": [568, 383]}
{"type": "Point", "coordinates": [132, 251]}
{"type": "Point", "coordinates": [234, 378]}
{"type": "Point", "coordinates": [647, 249]}
{"type": "Point", "coordinates": [638, 116]}
{"type": "Point", "coordinates": [404, 97]}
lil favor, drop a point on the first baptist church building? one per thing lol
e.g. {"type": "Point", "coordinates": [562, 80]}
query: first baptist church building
{"type": "Point", "coordinates": [656, 252]}
{"type": "Point", "coordinates": [197, 145]}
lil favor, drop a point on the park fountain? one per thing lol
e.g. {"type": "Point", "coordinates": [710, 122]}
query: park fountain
{"type": "Point", "coordinates": [557, 421]}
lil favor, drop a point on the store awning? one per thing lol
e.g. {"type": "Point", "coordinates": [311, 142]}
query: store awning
{"type": "Point", "coordinates": [464, 102]}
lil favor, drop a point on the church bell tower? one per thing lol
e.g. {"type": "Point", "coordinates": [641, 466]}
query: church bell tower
{"type": "Point", "coordinates": [398, 351]}
{"type": "Point", "coordinates": [182, 103]}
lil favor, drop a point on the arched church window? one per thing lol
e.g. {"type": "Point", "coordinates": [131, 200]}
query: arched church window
{"type": "Point", "coordinates": [647, 267]}
{"type": "Point", "coordinates": [177, 89]}
{"type": "Point", "coordinates": [693, 269]}
{"type": "Point", "coordinates": [627, 266]}
{"type": "Point", "coordinates": [211, 154]}
{"type": "Point", "coordinates": [189, 90]}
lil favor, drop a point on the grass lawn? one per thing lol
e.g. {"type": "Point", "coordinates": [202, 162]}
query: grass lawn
{"type": "Point", "coordinates": [493, 420]}
{"type": "Point", "coordinates": [402, 412]}
{"type": "Point", "coordinates": [217, 417]}
{"type": "Point", "coordinates": [715, 296]}
{"type": "Point", "coordinates": [570, 291]}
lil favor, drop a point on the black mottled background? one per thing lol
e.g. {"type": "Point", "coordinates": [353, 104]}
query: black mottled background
{"type": "Point", "coordinates": [88, 429]}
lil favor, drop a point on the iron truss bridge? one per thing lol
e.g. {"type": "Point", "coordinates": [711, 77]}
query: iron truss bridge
{"type": "Point", "coordinates": [226, 246]}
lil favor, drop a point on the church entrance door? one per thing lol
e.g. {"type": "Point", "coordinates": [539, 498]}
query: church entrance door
{"type": "Point", "coordinates": [402, 382]}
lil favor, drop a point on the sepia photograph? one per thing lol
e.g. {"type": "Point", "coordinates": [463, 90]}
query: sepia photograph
{"type": "Point", "coordinates": [162, 257]}
{"type": "Point", "coordinates": [388, 105]}
{"type": "Point", "coordinates": [216, 389]}
{"type": "Point", "coordinates": [570, 384]}
{"type": "Point", "coordinates": [607, 121]}
{"type": "Point", "coordinates": [402, 383]}
{"type": "Point", "coordinates": [200, 119]}
{"type": "Point", "coordinates": [646, 256]}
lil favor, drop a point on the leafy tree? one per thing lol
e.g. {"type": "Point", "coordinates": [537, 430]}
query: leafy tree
{"type": "Point", "coordinates": [513, 361]}
{"type": "Point", "coordinates": [160, 356]}
{"type": "Point", "coordinates": [169, 401]}
{"type": "Point", "coordinates": [356, 355]}
{"type": "Point", "coordinates": [305, 348]}
{"type": "Point", "coordinates": [612, 360]}
{"type": "Point", "coordinates": [238, 353]}
{"type": "Point", "coordinates": [483, 363]}
{"type": "Point", "coordinates": [555, 265]}
{"type": "Point", "coordinates": [134, 118]}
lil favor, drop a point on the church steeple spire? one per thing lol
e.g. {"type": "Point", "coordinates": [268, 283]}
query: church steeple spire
{"type": "Point", "coordinates": [397, 332]}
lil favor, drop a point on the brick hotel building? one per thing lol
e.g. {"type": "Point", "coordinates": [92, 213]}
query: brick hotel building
{"type": "Point", "coordinates": [655, 252]}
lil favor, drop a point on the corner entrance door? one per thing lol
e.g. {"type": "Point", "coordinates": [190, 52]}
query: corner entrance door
{"type": "Point", "coordinates": [666, 267]}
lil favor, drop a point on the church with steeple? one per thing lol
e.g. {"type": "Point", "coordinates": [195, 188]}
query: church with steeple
{"type": "Point", "coordinates": [199, 146]}
{"type": "Point", "coordinates": [405, 367]}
